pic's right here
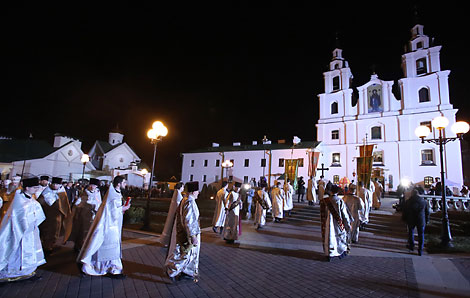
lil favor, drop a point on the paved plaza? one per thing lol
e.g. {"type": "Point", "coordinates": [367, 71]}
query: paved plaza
{"type": "Point", "coordinates": [280, 260]}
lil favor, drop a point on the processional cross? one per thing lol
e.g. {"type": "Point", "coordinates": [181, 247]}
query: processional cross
{"type": "Point", "coordinates": [323, 169]}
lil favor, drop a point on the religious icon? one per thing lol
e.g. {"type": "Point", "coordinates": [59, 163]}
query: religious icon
{"type": "Point", "coordinates": [374, 99]}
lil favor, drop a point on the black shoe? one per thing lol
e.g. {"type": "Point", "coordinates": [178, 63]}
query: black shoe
{"type": "Point", "coordinates": [221, 230]}
{"type": "Point", "coordinates": [173, 279]}
{"type": "Point", "coordinates": [117, 276]}
{"type": "Point", "coordinates": [214, 229]}
{"type": "Point", "coordinates": [409, 247]}
{"type": "Point", "coordinates": [184, 276]}
{"type": "Point", "coordinates": [420, 252]}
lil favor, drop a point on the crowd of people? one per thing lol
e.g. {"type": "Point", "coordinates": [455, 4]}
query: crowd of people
{"type": "Point", "coordinates": [39, 214]}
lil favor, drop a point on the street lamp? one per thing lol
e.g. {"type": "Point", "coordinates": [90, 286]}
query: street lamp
{"type": "Point", "coordinates": [155, 134]}
{"type": "Point", "coordinates": [459, 128]}
{"type": "Point", "coordinates": [226, 165]}
{"type": "Point", "coordinates": [144, 173]}
{"type": "Point", "coordinates": [85, 158]}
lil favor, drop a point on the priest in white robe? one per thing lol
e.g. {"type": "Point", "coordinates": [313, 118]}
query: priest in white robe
{"type": "Point", "coordinates": [8, 193]}
{"type": "Point", "coordinates": [263, 203]}
{"type": "Point", "coordinates": [170, 227]}
{"type": "Point", "coordinates": [311, 191]}
{"type": "Point", "coordinates": [83, 214]}
{"type": "Point", "coordinates": [289, 195]}
{"type": "Point", "coordinates": [220, 206]}
{"type": "Point", "coordinates": [278, 199]}
{"type": "Point", "coordinates": [336, 225]}
{"type": "Point", "coordinates": [183, 258]}
{"type": "Point", "coordinates": [101, 252]}
{"type": "Point", "coordinates": [20, 246]}
{"type": "Point", "coordinates": [321, 189]}
{"type": "Point", "coordinates": [232, 222]}
{"type": "Point", "coordinates": [355, 207]}
{"type": "Point", "coordinates": [366, 197]}
{"type": "Point", "coordinates": [56, 207]}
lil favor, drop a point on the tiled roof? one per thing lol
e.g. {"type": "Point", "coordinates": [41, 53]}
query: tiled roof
{"type": "Point", "coordinates": [21, 149]}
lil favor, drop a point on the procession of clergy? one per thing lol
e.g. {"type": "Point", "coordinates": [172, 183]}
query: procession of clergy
{"type": "Point", "coordinates": [35, 214]}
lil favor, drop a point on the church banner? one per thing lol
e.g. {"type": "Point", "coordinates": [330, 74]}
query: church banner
{"type": "Point", "coordinates": [312, 163]}
{"type": "Point", "coordinates": [364, 170]}
{"type": "Point", "coordinates": [291, 167]}
{"type": "Point", "coordinates": [366, 150]}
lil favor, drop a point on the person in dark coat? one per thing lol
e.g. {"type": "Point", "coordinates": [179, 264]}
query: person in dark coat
{"type": "Point", "coordinates": [300, 189]}
{"type": "Point", "coordinates": [416, 214]}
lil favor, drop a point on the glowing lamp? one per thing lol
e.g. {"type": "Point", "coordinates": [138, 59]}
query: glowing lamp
{"type": "Point", "coordinates": [85, 158]}
{"type": "Point", "coordinates": [460, 128]}
{"type": "Point", "coordinates": [144, 172]}
{"type": "Point", "coordinates": [405, 182]}
{"type": "Point", "coordinates": [152, 134]}
{"type": "Point", "coordinates": [227, 164]}
{"type": "Point", "coordinates": [440, 122]}
{"type": "Point", "coordinates": [422, 131]}
{"type": "Point", "coordinates": [160, 129]}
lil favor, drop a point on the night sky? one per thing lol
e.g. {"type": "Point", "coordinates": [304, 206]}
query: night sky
{"type": "Point", "coordinates": [211, 72]}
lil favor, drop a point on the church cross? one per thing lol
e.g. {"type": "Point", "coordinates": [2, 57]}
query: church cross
{"type": "Point", "coordinates": [323, 169]}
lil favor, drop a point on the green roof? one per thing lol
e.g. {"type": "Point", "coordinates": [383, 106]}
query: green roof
{"type": "Point", "coordinates": [18, 149]}
{"type": "Point", "coordinates": [107, 146]}
{"type": "Point", "coordinates": [277, 146]}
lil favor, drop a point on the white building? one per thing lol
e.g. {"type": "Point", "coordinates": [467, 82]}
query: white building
{"type": "Point", "coordinates": [388, 122]}
{"type": "Point", "coordinates": [249, 161]}
{"type": "Point", "coordinates": [36, 157]}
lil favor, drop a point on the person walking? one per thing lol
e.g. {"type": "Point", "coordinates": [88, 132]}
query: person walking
{"type": "Point", "coordinates": [416, 215]}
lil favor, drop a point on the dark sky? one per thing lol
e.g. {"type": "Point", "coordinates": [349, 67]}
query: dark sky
{"type": "Point", "coordinates": [211, 72]}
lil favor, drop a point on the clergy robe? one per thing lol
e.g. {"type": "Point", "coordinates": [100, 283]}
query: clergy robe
{"type": "Point", "coordinates": [377, 194]}
{"type": "Point", "coordinates": [83, 214]}
{"type": "Point", "coordinates": [355, 207]}
{"type": "Point", "coordinates": [277, 194]}
{"type": "Point", "coordinates": [221, 203]}
{"type": "Point", "coordinates": [260, 212]}
{"type": "Point", "coordinates": [289, 194]}
{"type": "Point", "coordinates": [7, 196]}
{"type": "Point", "coordinates": [101, 251]}
{"type": "Point", "coordinates": [366, 197]}
{"type": "Point", "coordinates": [56, 207]}
{"type": "Point", "coordinates": [20, 246]}
{"type": "Point", "coordinates": [311, 190]}
{"type": "Point", "coordinates": [184, 256]}
{"type": "Point", "coordinates": [232, 222]}
{"type": "Point", "coordinates": [321, 189]}
{"type": "Point", "coordinates": [337, 225]}
{"type": "Point", "coordinates": [170, 218]}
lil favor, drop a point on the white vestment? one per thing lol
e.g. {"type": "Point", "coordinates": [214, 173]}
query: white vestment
{"type": "Point", "coordinates": [170, 218]}
{"type": "Point", "coordinates": [221, 204]}
{"type": "Point", "coordinates": [289, 193]}
{"type": "Point", "coordinates": [101, 251]}
{"type": "Point", "coordinates": [366, 197]}
{"type": "Point", "coordinates": [356, 207]}
{"type": "Point", "coordinates": [278, 197]}
{"type": "Point", "coordinates": [20, 246]}
{"type": "Point", "coordinates": [183, 256]}
{"type": "Point", "coordinates": [232, 222]}
{"type": "Point", "coordinates": [260, 213]}
{"type": "Point", "coordinates": [335, 240]}
{"type": "Point", "coordinates": [311, 190]}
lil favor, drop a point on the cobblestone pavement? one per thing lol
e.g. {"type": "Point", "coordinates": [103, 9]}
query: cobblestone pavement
{"type": "Point", "coordinates": [281, 260]}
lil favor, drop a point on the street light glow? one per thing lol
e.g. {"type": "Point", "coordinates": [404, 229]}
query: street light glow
{"type": "Point", "coordinates": [422, 131]}
{"type": "Point", "coordinates": [440, 122]}
{"type": "Point", "coordinates": [85, 158]}
{"type": "Point", "coordinates": [460, 127]}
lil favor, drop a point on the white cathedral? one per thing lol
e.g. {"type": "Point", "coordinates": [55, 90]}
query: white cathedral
{"type": "Point", "coordinates": [376, 117]}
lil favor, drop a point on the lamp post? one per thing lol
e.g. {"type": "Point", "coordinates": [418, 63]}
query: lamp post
{"type": "Point", "coordinates": [155, 134]}
{"type": "Point", "coordinates": [85, 158]}
{"type": "Point", "coordinates": [459, 128]}
{"type": "Point", "coordinates": [226, 165]}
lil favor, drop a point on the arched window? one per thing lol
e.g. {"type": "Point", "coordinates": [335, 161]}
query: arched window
{"type": "Point", "coordinates": [423, 94]}
{"type": "Point", "coordinates": [376, 133]}
{"type": "Point", "coordinates": [334, 108]}
{"type": "Point", "coordinates": [336, 83]}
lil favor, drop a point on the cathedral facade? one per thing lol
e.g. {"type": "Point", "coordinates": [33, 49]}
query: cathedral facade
{"type": "Point", "coordinates": [376, 116]}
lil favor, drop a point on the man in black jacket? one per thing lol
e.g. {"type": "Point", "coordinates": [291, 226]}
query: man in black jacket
{"type": "Point", "coordinates": [416, 214]}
